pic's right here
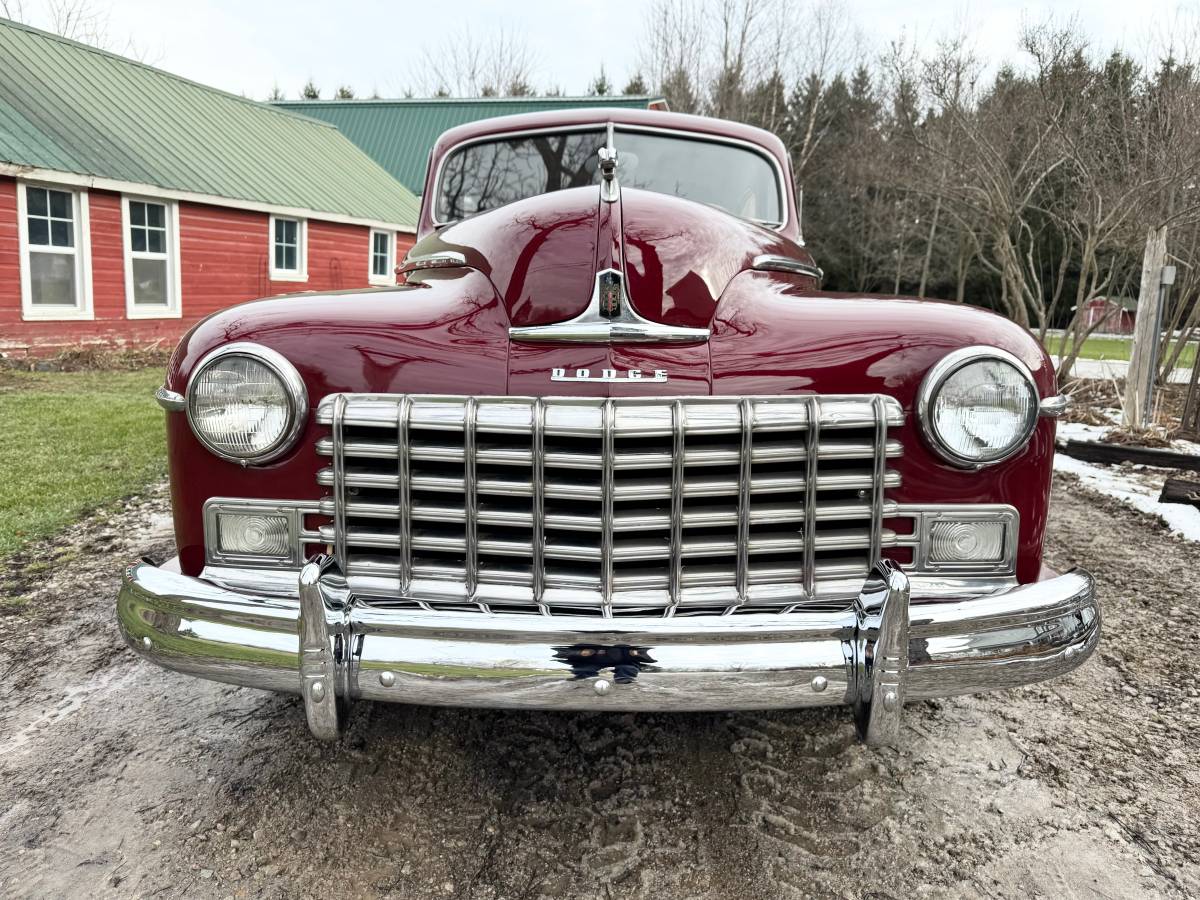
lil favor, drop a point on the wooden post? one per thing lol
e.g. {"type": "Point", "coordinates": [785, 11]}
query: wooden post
{"type": "Point", "coordinates": [1139, 378]}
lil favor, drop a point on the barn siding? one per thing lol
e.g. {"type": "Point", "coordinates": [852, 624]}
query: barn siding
{"type": "Point", "coordinates": [223, 261]}
{"type": "Point", "coordinates": [10, 257]}
{"type": "Point", "coordinates": [108, 256]}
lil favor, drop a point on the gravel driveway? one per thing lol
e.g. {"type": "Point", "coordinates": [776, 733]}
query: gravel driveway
{"type": "Point", "coordinates": [119, 779]}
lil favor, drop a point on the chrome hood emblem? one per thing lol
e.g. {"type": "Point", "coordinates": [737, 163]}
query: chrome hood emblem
{"type": "Point", "coordinates": [609, 319]}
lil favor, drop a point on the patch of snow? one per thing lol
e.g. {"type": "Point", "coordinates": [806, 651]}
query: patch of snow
{"type": "Point", "coordinates": [1124, 486]}
{"type": "Point", "coordinates": [1077, 431]}
{"type": "Point", "coordinates": [1179, 445]}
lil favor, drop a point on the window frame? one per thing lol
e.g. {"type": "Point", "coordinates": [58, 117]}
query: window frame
{"type": "Point", "coordinates": [389, 277]}
{"type": "Point", "coordinates": [82, 310]}
{"type": "Point", "coordinates": [300, 273]}
{"type": "Point", "coordinates": [174, 307]}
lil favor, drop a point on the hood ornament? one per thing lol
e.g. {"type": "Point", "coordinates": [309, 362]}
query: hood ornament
{"type": "Point", "coordinates": [610, 189]}
{"type": "Point", "coordinates": [609, 319]}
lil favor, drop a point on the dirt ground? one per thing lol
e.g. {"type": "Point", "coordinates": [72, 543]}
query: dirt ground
{"type": "Point", "coordinates": [118, 779]}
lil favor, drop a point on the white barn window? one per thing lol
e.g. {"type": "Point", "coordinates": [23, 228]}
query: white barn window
{"type": "Point", "coordinates": [383, 257]}
{"type": "Point", "coordinates": [288, 250]}
{"type": "Point", "coordinates": [151, 258]}
{"type": "Point", "coordinates": [55, 276]}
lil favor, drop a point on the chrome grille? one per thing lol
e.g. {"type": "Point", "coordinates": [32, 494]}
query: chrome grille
{"type": "Point", "coordinates": [622, 506]}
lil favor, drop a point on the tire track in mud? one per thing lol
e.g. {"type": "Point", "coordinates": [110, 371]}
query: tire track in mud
{"type": "Point", "coordinates": [809, 791]}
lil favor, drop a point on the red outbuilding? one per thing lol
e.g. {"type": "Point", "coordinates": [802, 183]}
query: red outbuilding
{"type": "Point", "coordinates": [134, 202]}
{"type": "Point", "coordinates": [1111, 315]}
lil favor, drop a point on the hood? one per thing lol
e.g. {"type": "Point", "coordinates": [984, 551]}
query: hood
{"type": "Point", "coordinates": [542, 253]}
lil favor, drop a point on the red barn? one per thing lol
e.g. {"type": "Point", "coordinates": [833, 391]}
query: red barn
{"type": "Point", "coordinates": [134, 202]}
{"type": "Point", "coordinates": [1113, 315]}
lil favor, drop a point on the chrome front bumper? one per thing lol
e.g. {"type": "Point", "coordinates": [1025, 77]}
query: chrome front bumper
{"type": "Point", "coordinates": [873, 657]}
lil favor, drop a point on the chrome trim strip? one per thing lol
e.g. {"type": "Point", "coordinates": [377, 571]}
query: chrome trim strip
{"type": "Point", "coordinates": [471, 496]}
{"type": "Point", "coordinates": [936, 377]}
{"type": "Point", "coordinates": [745, 477]}
{"type": "Point", "coordinates": [591, 327]}
{"type": "Point", "coordinates": [937, 586]}
{"type": "Point", "coordinates": [612, 127]}
{"type": "Point", "coordinates": [404, 512]}
{"type": "Point", "coordinates": [750, 661]}
{"type": "Point", "coordinates": [539, 504]}
{"type": "Point", "coordinates": [607, 492]}
{"type": "Point", "coordinates": [772, 263]}
{"type": "Point", "coordinates": [440, 259]}
{"type": "Point", "coordinates": [880, 477]}
{"type": "Point", "coordinates": [1055, 407]}
{"type": "Point", "coordinates": [293, 384]}
{"type": "Point", "coordinates": [170, 400]}
{"type": "Point", "coordinates": [339, 480]}
{"type": "Point", "coordinates": [675, 582]}
{"type": "Point", "coordinates": [812, 442]}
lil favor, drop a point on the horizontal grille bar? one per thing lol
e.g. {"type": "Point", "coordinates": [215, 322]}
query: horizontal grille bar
{"type": "Point", "coordinates": [706, 505]}
{"type": "Point", "coordinates": [832, 449]}
{"type": "Point", "coordinates": [702, 517]}
{"type": "Point", "coordinates": [647, 490]}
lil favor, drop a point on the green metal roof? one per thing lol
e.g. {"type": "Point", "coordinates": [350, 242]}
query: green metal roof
{"type": "Point", "coordinates": [398, 134]}
{"type": "Point", "coordinates": [73, 108]}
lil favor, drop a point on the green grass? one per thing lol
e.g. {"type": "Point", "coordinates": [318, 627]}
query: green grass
{"type": "Point", "coordinates": [71, 442]}
{"type": "Point", "coordinates": [1117, 348]}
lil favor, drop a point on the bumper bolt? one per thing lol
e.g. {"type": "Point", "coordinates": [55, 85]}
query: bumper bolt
{"type": "Point", "coordinates": [601, 686]}
{"type": "Point", "coordinates": [890, 700]}
{"type": "Point", "coordinates": [819, 683]}
{"type": "Point", "coordinates": [387, 679]}
{"type": "Point", "coordinates": [317, 691]}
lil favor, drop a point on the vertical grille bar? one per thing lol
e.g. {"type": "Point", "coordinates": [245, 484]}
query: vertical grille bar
{"type": "Point", "coordinates": [743, 511]}
{"type": "Point", "coordinates": [811, 452]}
{"type": "Point", "coordinates": [471, 499]}
{"type": "Point", "coordinates": [538, 482]}
{"type": "Point", "coordinates": [403, 415]}
{"type": "Point", "coordinates": [607, 489]}
{"type": "Point", "coordinates": [880, 460]}
{"type": "Point", "coordinates": [676, 538]}
{"type": "Point", "coordinates": [339, 482]}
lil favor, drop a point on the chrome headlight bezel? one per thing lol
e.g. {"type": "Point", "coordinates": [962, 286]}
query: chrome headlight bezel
{"type": "Point", "coordinates": [936, 378]}
{"type": "Point", "coordinates": [293, 386]}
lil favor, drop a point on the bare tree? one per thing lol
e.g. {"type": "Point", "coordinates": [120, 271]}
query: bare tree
{"type": "Point", "coordinates": [85, 21]}
{"type": "Point", "coordinates": [461, 65]}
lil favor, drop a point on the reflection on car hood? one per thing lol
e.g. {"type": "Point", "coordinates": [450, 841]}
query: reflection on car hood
{"type": "Point", "coordinates": [542, 253]}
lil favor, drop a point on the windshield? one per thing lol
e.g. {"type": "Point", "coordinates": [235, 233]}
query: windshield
{"type": "Point", "coordinates": [489, 174]}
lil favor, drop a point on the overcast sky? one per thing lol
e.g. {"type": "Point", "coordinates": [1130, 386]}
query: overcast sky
{"type": "Point", "coordinates": [246, 46]}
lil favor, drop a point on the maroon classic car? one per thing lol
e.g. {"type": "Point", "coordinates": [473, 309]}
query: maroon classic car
{"type": "Point", "coordinates": [609, 446]}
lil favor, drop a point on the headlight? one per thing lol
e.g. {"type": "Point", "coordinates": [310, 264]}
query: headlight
{"type": "Point", "coordinates": [246, 403]}
{"type": "Point", "coordinates": [978, 406]}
